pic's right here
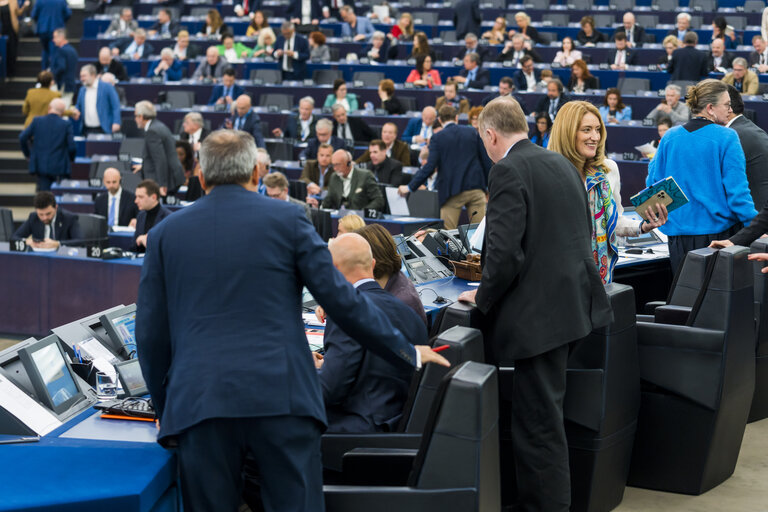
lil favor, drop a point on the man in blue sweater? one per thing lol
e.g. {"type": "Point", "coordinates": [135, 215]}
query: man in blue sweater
{"type": "Point", "coordinates": [64, 64]}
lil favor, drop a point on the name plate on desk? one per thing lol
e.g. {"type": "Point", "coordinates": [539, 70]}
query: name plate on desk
{"type": "Point", "coordinates": [18, 246]}
{"type": "Point", "coordinates": [95, 182]}
{"type": "Point", "coordinates": [93, 251]}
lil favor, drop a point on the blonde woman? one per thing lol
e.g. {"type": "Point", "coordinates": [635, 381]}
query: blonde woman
{"type": "Point", "coordinates": [350, 223]}
{"type": "Point", "coordinates": [670, 44]}
{"type": "Point", "coordinates": [578, 134]}
{"type": "Point", "coordinates": [497, 34]}
{"type": "Point", "coordinates": [403, 31]}
{"type": "Point", "coordinates": [524, 27]}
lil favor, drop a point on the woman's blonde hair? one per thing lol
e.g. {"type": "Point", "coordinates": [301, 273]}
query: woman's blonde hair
{"type": "Point", "coordinates": [263, 33]}
{"type": "Point", "coordinates": [409, 29]}
{"type": "Point", "coordinates": [564, 130]}
{"type": "Point", "coordinates": [350, 223]}
{"type": "Point", "coordinates": [704, 93]}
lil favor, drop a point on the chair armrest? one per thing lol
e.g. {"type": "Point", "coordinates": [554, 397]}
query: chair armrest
{"type": "Point", "coordinates": [672, 315]}
{"type": "Point", "coordinates": [346, 498]}
{"type": "Point", "coordinates": [377, 466]}
{"type": "Point", "coordinates": [650, 307]}
{"type": "Point", "coordinates": [645, 318]}
{"type": "Point", "coordinates": [334, 446]}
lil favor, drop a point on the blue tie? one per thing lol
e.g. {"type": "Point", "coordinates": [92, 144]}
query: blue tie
{"type": "Point", "coordinates": [228, 92]}
{"type": "Point", "coordinates": [471, 75]}
{"type": "Point", "coordinates": [111, 219]}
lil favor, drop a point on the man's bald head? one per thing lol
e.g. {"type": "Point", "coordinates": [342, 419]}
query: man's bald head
{"type": "Point", "coordinates": [352, 257]}
{"type": "Point", "coordinates": [111, 180]}
{"type": "Point", "coordinates": [243, 104]}
{"type": "Point", "coordinates": [429, 115]}
{"type": "Point", "coordinates": [57, 106]}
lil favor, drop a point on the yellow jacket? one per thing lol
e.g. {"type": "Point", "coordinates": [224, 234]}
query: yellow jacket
{"type": "Point", "coordinates": [36, 103]}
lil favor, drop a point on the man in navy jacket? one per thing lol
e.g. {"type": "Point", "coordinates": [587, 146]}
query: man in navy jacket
{"type": "Point", "coordinates": [221, 341]}
{"type": "Point", "coordinates": [63, 62]}
{"type": "Point", "coordinates": [363, 392]}
{"type": "Point", "coordinates": [54, 145]}
{"type": "Point", "coordinates": [245, 119]}
{"type": "Point", "coordinates": [48, 225]}
{"type": "Point", "coordinates": [458, 154]}
{"type": "Point", "coordinates": [292, 52]}
{"type": "Point", "coordinates": [107, 104]}
{"type": "Point", "coordinates": [49, 15]}
{"type": "Point", "coordinates": [227, 91]}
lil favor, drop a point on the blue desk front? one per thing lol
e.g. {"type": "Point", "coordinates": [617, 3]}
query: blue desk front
{"type": "Point", "coordinates": [90, 465]}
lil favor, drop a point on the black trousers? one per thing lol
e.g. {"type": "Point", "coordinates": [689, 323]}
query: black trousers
{"type": "Point", "coordinates": [284, 449]}
{"type": "Point", "coordinates": [87, 130]}
{"type": "Point", "coordinates": [538, 433]}
{"type": "Point", "coordinates": [679, 245]}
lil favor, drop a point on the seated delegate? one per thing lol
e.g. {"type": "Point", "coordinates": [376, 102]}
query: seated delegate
{"type": "Point", "coordinates": [151, 212]}
{"type": "Point", "coordinates": [48, 225]}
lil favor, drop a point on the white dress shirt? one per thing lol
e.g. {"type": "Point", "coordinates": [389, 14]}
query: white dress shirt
{"type": "Point", "coordinates": [621, 57]}
{"type": "Point", "coordinates": [90, 114]}
{"type": "Point", "coordinates": [231, 54]}
{"type": "Point", "coordinates": [195, 137]}
{"type": "Point", "coordinates": [50, 231]}
{"type": "Point", "coordinates": [345, 132]}
{"type": "Point", "coordinates": [288, 46]}
{"type": "Point", "coordinates": [305, 127]}
{"type": "Point", "coordinates": [346, 183]}
{"type": "Point", "coordinates": [306, 12]}
{"type": "Point", "coordinates": [530, 79]}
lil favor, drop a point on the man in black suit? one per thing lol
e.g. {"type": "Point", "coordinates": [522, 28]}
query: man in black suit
{"type": "Point", "coordinates": [687, 62]}
{"type": "Point", "coordinates": [323, 135]}
{"type": "Point", "coordinates": [472, 75]}
{"type": "Point", "coordinates": [165, 26]}
{"type": "Point", "coordinates": [302, 126]}
{"type": "Point", "coordinates": [621, 56]}
{"type": "Point", "coordinates": [386, 169]}
{"type": "Point", "coordinates": [527, 76]}
{"type": "Point", "coordinates": [305, 13]}
{"type": "Point", "coordinates": [48, 226]}
{"type": "Point", "coordinates": [462, 164]}
{"type": "Point", "coordinates": [506, 86]}
{"type": "Point", "coordinates": [467, 17]}
{"type": "Point", "coordinates": [758, 59]}
{"type": "Point", "coordinates": [536, 196]}
{"type": "Point", "coordinates": [471, 45]}
{"type": "Point", "coordinates": [363, 392]}
{"type": "Point", "coordinates": [292, 52]}
{"type": "Point", "coordinates": [554, 100]}
{"type": "Point", "coordinates": [352, 187]}
{"type": "Point", "coordinates": [160, 162]}
{"type": "Point", "coordinates": [754, 142]}
{"type": "Point", "coordinates": [514, 51]}
{"type": "Point", "coordinates": [276, 185]}
{"type": "Point", "coordinates": [108, 64]}
{"type": "Point", "coordinates": [350, 128]}
{"type": "Point", "coordinates": [634, 33]}
{"type": "Point", "coordinates": [151, 212]}
{"type": "Point", "coordinates": [245, 119]}
{"type": "Point", "coordinates": [193, 130]}
{"type": "Point", "coordinates": [117, 205]}
{"type": "Point", "coordinates": [719, 60]}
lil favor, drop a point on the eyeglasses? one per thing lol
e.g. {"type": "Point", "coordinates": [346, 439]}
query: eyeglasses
{"type": "Point", "coordinates": [727, 106]}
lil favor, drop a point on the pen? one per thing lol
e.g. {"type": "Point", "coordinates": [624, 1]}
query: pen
{"type": "Point", "coordinates": [441, 348]}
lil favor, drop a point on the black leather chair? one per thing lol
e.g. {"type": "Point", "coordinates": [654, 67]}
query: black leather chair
{"type": "Point", "coordinates": [697, 383]}
{"type": "Point", "coordinates": [456, 467]}
{"type": "Point", "coordinates": [601, 403]}
{"type": "Point", "coordinates": [6, 224]}
{"type": "Point", "coordinates": [759, 408]}
{"type": "Point", "coordinates": [465, 344]}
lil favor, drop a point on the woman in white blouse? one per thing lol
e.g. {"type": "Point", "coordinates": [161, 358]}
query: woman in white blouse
{"type": "Point", "coordinates": [567, 55]}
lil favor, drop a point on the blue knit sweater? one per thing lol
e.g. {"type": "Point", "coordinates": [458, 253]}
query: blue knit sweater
{"type": "Point", "coordinates": [708, 163]}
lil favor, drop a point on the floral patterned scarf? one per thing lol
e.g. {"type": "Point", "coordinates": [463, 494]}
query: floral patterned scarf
{"type": "Point", "coordinates": [604, 220]}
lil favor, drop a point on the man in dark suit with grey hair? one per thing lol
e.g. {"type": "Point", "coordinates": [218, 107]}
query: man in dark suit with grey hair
{"type": "Point", "coordinates": [536, 196]}
{"type": "Point", "coordinates": [160, 163]}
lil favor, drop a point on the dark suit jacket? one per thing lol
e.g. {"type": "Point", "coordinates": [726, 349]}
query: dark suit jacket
{"type": "Point", "coordinates": [360, 129]}
{"type": "Point", "coordinates": [537, 196]}
{"type": "Point", "coordinates": [754, 59]}
{"type": "Point", "coordinates": [293, 127]}
{"type": "Point", "coordinates": [50, 15]}
{"type": "Point", "coordinates": [252, 125]}
{"type": "Point", "coordinates": [312, 144]}
{"type": "Point", "coordinates": [141, 224]}
{"type": "Point", "coordinates": [543, 104]}
{"type": "Point", "coordinates": [726, 62]}
{"type": "Point", "coordinates": [173, 28]}
{"type": "Point", "coordinates": [363, 194]}
{"type": "Point", "coordinates": [264, 346]}
{"type": "Point", "coordinates": [630, 58]}
{"type": "Point", "coordinates": [758, 226]}
{"type": "Point", "coordinates": [520, 82]}
{"type": "Point", "coordinates": [115, 67]}
{"type": "Point", "coordinates": [467, 18]}
{"type": "Point", "coordinates": [481, 50]}
{"type": "Point", "coordinates": [510, 55]}
{"type": "Point", "coordinates": [64, 67]}
{"type": "Point", "coordinates": [218, 92]}
{"type": "Point", "coordinates": [172, 74]}
{"type": "Point", "coordinates": [311, 173]}
{"type": "Point", "coordinates": [185, 136]}
{"type": "Point", "coordinates": [54, 145]}
{"type": "Point", "coordinates": [688, 63]}
{"type": "Point", "coordinates": [66, 228]}
{"type": "Point", "coordinates": [160, 161]}
{"type": "Point", "coordinates": [459, 155]}
{"type": "Point", "coordinates": [294, 10]}
{"type": "Point", "coordinates": [390, 171]}
{"type": "Point", "coordinates": [363, 392]}
{"type": "Point", "coordinates": [482, 78]}
{"type": "Point", "coordinates": [401, 152]}
{"type": "Point", "coordinates": [638, 33]}
{"type": "Point", "coordinates": [589, 83]}
{"type": "Point", "coordinates": [754, 142]}
{"type": "Point", "coordinates": [148, 48]}
{"type": "Point", "coordinates": [301, 46]}
{"type": "Point", "coordinates": [193, 52]}
{"type": "Point", "coordinates": [126, 210]}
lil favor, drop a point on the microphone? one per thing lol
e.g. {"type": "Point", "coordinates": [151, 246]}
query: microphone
{"type": "Point", "coordinates": [472, 216]}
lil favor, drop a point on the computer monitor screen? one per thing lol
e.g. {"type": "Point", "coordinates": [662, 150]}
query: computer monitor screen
{"type": "Point", "coordinates": [50, 374]}
{"type": "Point", "coordinates": [402, 245]}
{"type": "Point", "coordinates": [120, 326]}
{"type": "Point", "coordinates": [131, 378]}
{"type": "Point", "coordinates": [466, 232]}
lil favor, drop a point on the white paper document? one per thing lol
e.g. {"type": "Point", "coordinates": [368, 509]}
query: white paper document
{"type": "Point", "coordinates": [397, 203]}
{"type": "Point", "coordinates": [27, 410]}
{"type": "Point", "coordinates": [476, 242]}
{"type": "Point", "coordinates": [311, 320]}
{"type": "Point", "coordinates": [95, 350]}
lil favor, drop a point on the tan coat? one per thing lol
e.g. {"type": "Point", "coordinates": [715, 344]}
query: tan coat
{"type": "Point", "coordinates": [36, 103]}
{"type": "Point", "coordinates": [751, 82]}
